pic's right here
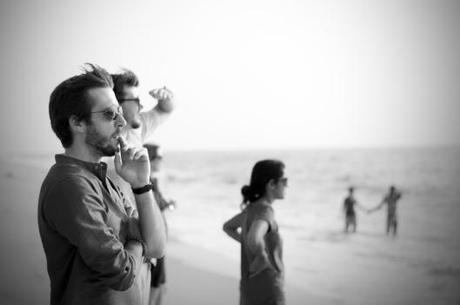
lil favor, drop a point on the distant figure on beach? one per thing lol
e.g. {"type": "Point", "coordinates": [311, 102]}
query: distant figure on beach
{"type": "Point", "coordinates": [262, 269]}
{"type": "Point", "coordinates": [158, 269]}
{"type": "Point", "coordinates": [97, 246]}
{"type": "Point", "coordinates": [349, 210]}
{"type": "Point", "coordinates": [390, 199]}
{"type": "Point", "coordinates": [140, 126]}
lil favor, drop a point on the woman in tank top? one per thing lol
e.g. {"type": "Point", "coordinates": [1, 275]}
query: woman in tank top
{"type": "Point", "coordinates": [262, 270]}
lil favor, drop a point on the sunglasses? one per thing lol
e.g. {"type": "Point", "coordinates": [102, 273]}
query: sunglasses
{"type": "Point", "coordinates": [284, 180]}
{"type": "Point", "coordinates": [132, 99]}
{"type": "Point", "coordinates": [111, 114]}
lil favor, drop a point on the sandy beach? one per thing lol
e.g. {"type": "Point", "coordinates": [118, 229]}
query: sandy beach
{"type": "Point", "coordinates": [194, 275]}
{"type": "Point", "coordinates": [323, 265]}
{"type": "Point", "coordinates": [361, 94]}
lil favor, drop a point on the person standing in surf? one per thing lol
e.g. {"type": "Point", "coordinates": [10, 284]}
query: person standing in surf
{"type": "Point", "coordinates": [349, 210]}
{"type": "Point", "coordinates": [390, 199]}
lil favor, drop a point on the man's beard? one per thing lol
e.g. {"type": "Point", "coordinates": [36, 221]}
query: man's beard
{"type": "Point", "coordinates": [102, 145]}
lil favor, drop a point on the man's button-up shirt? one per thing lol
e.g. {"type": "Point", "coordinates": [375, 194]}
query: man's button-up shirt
{"type": "Point", "coordinates": [83, 222]}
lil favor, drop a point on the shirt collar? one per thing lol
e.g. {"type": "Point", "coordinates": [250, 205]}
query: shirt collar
{"type": "Point", "coordinates": [98, 169]}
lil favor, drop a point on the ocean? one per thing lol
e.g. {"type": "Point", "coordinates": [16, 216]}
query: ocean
{"type": "Point", "coordinates": [419, 265]}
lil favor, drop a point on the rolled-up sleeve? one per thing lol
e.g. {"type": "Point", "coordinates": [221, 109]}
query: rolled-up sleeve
{"type": "Point", "coordinates": [150, 122]}
{"type": "Point", "coordinates": [78, 213]}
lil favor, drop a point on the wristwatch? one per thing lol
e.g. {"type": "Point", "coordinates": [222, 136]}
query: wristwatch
{"type": "Point", "coordinates": [141, 190]}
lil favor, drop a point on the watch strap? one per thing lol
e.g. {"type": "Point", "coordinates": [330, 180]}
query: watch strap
{"type": "Point", "coordinates": [141, 190]}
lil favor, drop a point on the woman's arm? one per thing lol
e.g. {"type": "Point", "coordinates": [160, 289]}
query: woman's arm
{"type": "Point", "coordinates": [378, 207]}
{"type": "Point", "coordinates": [256, 244]}
{"type": "Point", "coordinates": [233, 226]}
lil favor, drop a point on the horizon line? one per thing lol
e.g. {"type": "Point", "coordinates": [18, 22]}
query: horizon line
{"type": "Point", "coordinates": [254, 149]}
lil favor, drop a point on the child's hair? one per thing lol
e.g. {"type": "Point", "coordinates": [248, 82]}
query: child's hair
{"type": "Point", "coordinates": [262, 173]}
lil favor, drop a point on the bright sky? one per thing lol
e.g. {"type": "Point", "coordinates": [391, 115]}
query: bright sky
{"type": "Point", "coordinates": [246, 74]}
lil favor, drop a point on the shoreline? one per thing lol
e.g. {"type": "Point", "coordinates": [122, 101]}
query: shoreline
{"type": "Point", "coordinates": [193, 275]}
{"type": "Point", "coordinates": [210, 265]}
{"type": "Point", "coordinates": [323, 266]}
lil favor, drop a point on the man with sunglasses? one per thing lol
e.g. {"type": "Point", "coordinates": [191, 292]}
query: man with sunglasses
{"type": "Point", "coordinates": [139, 130]}
{"type": "Point", "coordinates": [96, 245]}
{"type": "Point", "coordinates": [140, 126]}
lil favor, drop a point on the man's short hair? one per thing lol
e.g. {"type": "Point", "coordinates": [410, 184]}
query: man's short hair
{"type": "Point", "coordinates": [70, 98]}
{"type": "Point", "coordinates": [126, 78]}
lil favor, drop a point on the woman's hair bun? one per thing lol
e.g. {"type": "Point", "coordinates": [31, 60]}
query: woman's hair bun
{"type": "Point", "coordinates": [245, 191]}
